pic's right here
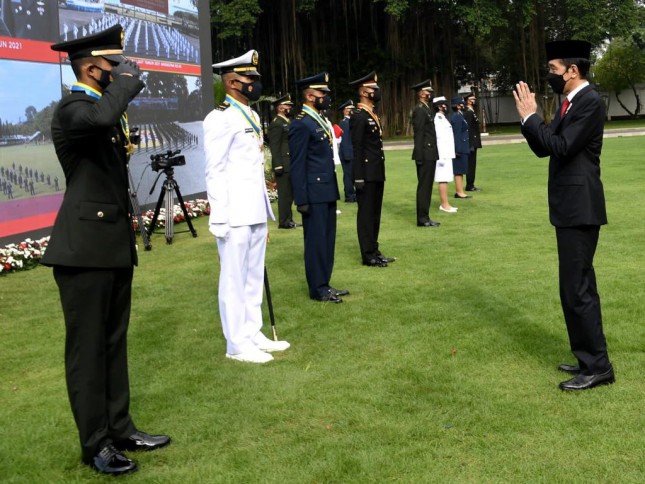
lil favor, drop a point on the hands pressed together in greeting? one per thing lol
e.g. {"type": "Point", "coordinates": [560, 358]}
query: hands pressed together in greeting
{"type": "Point", "coordinates": [524, 100]}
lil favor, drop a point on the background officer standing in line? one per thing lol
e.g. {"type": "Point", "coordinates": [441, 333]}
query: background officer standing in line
{"type": "Point", "coordinates": [237, 194]}
{"type": "Point", "coordinates": [315, 188]}
{"type": "Point", "coordinates": [347, 152]}
{"type": "Point", "coordinates": [92, 248]}
{"type": "Point", "coordinates": [279, 145]}
{"type": "Point", "coordinates": [474, 135]}
{"type": "Point", "coordinates": [424, 154]}
{"type": "Point", "coordinates": [369, 169]}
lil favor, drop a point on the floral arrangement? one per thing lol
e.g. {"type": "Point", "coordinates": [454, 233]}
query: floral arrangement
{"type": "Point", "coordinates": [27, 254]}
{"type": "Point", "coordinates": [22, 256]}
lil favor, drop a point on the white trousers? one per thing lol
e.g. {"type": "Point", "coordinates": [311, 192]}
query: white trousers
{"type": "Point", "coordinates": [241, 281]}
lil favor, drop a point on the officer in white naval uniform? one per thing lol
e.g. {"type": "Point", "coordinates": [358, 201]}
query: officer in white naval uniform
{"type": "Point", "coordinates": [239, 209]}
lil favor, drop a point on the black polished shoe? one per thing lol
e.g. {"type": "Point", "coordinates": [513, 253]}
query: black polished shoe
{"type": "Point", "coordinates": [573, 369]}
{"type": "Point", "coordinates": [374, 263]}
{"type": "Point", "coordinates": [429, 223]}
{"type": "Point", "coordinates": [339, 292]}
{"type": "Point", "coordinates": [387, 260]}
{"type": "Point", "coordinates": [110, 461]}
{"type": "Point", "coordinates": [585, 382]}
{"type": "Point", "coordinates": [142, 441]}
{"type": "Point", "coordinates": [290, 225]}
{"type": "Point", "coordinates": [330, 296]}
{"type": "Point", "coordinates": [473, 189]}
{"type": "Point", "coordinates": [459, 196]}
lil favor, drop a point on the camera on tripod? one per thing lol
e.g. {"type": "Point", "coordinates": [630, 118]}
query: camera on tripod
{"type": "Point", "coordinates": [135, 138]}
{"type": "Point", "coordinates": [166, 160]}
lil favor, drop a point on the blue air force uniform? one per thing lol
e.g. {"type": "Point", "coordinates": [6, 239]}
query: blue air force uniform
{"type": "Point", "coordinates": [315, 189]}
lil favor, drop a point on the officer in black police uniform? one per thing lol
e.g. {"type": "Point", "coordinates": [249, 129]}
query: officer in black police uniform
{"type": "Point", "coordinates": [470, 115]}
{"type": "Point", "coordinates": [279, 145]}
{"type": "Point", "coordinates": [346, 151]}
{"type": "Point", "coordinates": [315, 188]}
{"type": "Point", "coordinates": [369, 169]}
{"type": "Point", "coordinates": [92, 248]}
{"type": "Point", "coordinates": [424, 154]}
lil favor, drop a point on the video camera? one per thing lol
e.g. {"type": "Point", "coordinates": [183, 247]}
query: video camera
{"type": "Point", "coordinates": [166, 160]}
{"type": "Point", "coordinates": [135, 138]}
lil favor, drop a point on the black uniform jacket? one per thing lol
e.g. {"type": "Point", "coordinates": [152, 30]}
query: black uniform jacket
{"type": "Point", "coordinates": [474, 136]}
{"type": "Point", "coordinates": [313, 174]}
{"type": "Point", "coordinates": [279, 143]}
{"type": "Point", "coordinates": [367, 141]}
{"type": "Point", "coordinates": [425, 136]}
{"type": "Point", "coordinates": [93, 227]}
{"type": "Point", "coordinates": [574, 144]}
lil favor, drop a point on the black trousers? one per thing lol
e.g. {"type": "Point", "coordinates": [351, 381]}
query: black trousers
{"type": "Point", "coordinates": [425, 180]}
{"type": "Point", "coordinates": [319, 227]}
{"type": "Point", "coordinates": [348, 184]}
{"type": "Point", "coordinates": [285, 199]}
{"type": "Point", "coordinates": [579, 297]}
{"type": "Point", "coordinates": [368, 218]}
{"type": "Point", "coordinates": [472, 169]}
{"type": "Point", "coordinates": [96, 306]}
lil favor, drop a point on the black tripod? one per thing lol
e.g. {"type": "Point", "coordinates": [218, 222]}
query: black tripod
{"type": "Point", "coordinates": [136, 209]}
{"type": "Point", "coordinates": [169, 186]}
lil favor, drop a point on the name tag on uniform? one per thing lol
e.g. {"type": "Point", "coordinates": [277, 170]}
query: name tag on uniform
{"type": "Point", "coordinates": [249, 130]}
{"type": "Point", "coordinates": [371, 121]}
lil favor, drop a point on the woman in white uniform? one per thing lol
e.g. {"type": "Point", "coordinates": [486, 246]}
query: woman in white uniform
{"type": "Point", "coordinates": [446, 147]}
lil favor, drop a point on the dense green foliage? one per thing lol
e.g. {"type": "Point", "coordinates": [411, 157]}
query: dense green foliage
{"type": "Point", "coordinates": [486, 44]}
{"type": "Point", "coordinates": [440, 368]}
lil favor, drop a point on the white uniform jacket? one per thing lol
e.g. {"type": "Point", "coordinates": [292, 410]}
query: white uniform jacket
{"type": "Point", "coordinates": [445, 138]}
{"type": "Point", "coordinates": [235, 181]}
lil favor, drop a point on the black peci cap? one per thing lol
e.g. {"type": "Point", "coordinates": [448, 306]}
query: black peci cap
{"type": "Point", "coordinates": [568, 49]}
{"type": "Point", "coordinates": [108, 44]}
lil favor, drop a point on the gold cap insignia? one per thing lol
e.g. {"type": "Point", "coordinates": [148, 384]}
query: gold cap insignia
{"type": "Point", "coordinates": [254, 58]}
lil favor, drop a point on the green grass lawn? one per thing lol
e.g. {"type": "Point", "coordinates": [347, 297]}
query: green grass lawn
{"type": "Point", "coordinates": [440, 368]}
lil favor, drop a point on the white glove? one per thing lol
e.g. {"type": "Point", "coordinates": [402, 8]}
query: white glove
{"type": "Point", "coordinates": [219, 230]}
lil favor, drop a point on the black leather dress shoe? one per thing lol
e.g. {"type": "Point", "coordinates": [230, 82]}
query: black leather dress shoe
{"type": "Point", "coordinates": [573, 369]}
{"type": "Point", "coordinates": [374, 263]}
{"type": "Point", "coordinates": [585, 382]}
{"type": "Point", "coordinates": [459, 196]}
{"type": "Point", "coordinates": [290, 225]}
{"type": "Point", "coordinates": [429, 223]}
{"type": "Point", "coordinates": [387, 260]}
{"type": "Point", "coordinates": [473, 189]}
{"type": "Point", "coordinates": [330, 296]}
{"type": "Point", "coordinates": [110, 461]}
{"type": "Point", "coordinates": [339, 292]}
{"type": "Point", "coordinates": [142, 441]}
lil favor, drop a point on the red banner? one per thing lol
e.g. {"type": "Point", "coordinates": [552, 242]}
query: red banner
{"type": "Point", "coordinates": [27, 50]}
{"type": "Point", "coordinates": [160, 6]}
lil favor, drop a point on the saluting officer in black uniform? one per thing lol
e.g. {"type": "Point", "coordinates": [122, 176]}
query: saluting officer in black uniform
{"type": "Point", "coordinates": [315, 188]}
{"type": "Point", "coordinates": [279, 145]}
{"type": "Point", "coordinates": [369, 169]}
{"type": "Point", "coordinates": [92, 248]}
{"type": "Point", "coordinates": [424, 154]}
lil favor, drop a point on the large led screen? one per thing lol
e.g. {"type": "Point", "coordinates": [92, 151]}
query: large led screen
{"type": "Point", "coordinates": [169, 39]}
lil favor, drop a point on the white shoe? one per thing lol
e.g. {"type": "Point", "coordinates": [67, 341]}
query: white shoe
{"type": "Point", "coordinates": [449, 210]}
{"type": "Point", "coordinates": [271, 346]}
{"type": "Point", "coordinates": [251, 356]}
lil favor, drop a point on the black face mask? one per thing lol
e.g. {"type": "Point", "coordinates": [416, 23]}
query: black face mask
{"type": "Point", "coordinates": [251, 95]}
{"type": "Point", "coordinates": [289, 113]}
{"type": "Point", "coordinates": [323, 102]}
{"type": "Point", "coordinates": [557, 82]}
{"type": "Point", "coordinates": [104, 80]}
{"type": "Point", "coordinates": [376, 96]}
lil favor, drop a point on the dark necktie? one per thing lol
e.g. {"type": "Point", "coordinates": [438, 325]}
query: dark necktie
{"type": "Point", "coordinates": [564, 107]}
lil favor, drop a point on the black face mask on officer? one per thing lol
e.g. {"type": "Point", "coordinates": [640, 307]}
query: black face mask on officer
{"type": "Point", "coordinates": [375, 96]}
{"type": "Point", "coordinates": [103, 81]}
{"type": "Point", "coordinates": [323, 102]}
{"type": "Point", "coordinates": [251, 94]}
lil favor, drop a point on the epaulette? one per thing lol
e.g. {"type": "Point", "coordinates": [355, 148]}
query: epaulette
{"type": "Point", "coordinates": [224, 106]}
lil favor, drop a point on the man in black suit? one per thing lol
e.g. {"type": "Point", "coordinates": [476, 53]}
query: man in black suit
{"type": "Point", "coordinates": [315, 188]}
{"type": "Point", "coordinates": [573, 141]}
{"type": "Point", "coordinates": [474, 135]}
{"type": "Point", "coordinates": [424, 154]}
{"type": "Point", "coordinates": [279, 145]}
{"type": "Point", "coordinates": [92, 248]}
{"type": "Point", "coordinates": [369, 169]}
